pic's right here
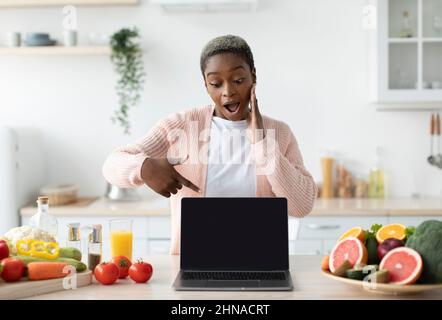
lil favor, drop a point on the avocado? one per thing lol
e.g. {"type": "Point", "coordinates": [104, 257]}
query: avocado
{"type": "Point", "coordinates": [372, 250]}
{"type": "Point", "coordinates": [381, 276]}
{"type": "Point", "coordinates": [342, 269]}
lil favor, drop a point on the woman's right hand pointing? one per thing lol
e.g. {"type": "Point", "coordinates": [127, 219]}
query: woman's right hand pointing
{"type": "Point", "coordinates": [161, 177]}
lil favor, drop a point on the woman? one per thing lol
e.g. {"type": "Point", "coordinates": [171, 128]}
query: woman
{"type": "Point", "coordinates": [181, 155]}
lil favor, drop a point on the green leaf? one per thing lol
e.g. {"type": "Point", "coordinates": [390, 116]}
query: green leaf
{"type": "Point", "coordinates": [127, 60]}
{"type": "Point", "coordinates": [409, 231]}
{"type": "Point", "coordinates": [373, 230]}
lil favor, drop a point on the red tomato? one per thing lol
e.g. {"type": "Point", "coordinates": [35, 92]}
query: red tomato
{"type": "Point", "coordinates": [4, 249]}
{"type": "Point", "coordinates": [106, 273]}
{"type": "Point", "coordinates": [123, 264]}
{"type": "Point", "coordinates": [140, 272]}
{"type": "Point", "coordinates": [13, 269]}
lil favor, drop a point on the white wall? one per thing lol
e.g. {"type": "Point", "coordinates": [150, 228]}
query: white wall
{"type": "Point", "coordinates": [311, 58]}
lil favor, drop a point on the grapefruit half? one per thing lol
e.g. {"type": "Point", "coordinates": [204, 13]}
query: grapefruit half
{"type": "Point", "coordinates": [351, 249]}
{"type": "Point", "coordinates": [403, 264]}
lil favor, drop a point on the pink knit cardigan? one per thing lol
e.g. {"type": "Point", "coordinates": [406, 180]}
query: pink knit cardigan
{"type": "Point", "coordinates": [285, 177]}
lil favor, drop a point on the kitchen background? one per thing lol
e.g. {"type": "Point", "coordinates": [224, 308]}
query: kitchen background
{"type": "Point", "coordinates": [313, 66]}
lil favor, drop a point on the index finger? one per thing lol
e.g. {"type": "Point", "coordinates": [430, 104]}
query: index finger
{"type": "Point", "coordinates": [187, 183]}
{"type": "Point", "coordinates": [253, 100]}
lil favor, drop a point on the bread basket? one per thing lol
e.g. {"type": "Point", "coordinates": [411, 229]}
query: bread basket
{"type": "Point", "coordinates": [61, 194]}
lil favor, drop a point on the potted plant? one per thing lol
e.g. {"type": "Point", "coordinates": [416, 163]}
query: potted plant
{"type": "Point", "coordinates": [126, 57]}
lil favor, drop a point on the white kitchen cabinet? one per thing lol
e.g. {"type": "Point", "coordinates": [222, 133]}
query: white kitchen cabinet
{"type": "Point", "coordinates": [159, 246]}
{"type": "Point", "coordinates": [328, 245]}
{"type": "Point", "coordinates": [306, 247]}
{"type": "Point", "coordinates": [412, 220]}
{"type": "Point", "coordinates": [158, 228]}
{"type": "Point", "coordinates": [159, 235]}
{"type": "Point", "coordinates": [318, 235]}
{"type": "Point", "coordinates": [408, 51]}
{"type": "Point", "coordinates": [331, 227]}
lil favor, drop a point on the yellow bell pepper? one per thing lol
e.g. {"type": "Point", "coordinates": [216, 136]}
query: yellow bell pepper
{"type": "Point", "coordinates": [52, 249]}
{"type": "Point", "coordinates": [40, 249]}
{"type": "Point", "coordinates": [24, 247]}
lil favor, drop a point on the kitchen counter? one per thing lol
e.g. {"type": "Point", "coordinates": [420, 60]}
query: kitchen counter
{"type": "Point", "coordinates": [308, 282]}
{"type": "Point", "coordinates": [159, 206]}
{"type": "Point", "coordinates": [384, 207]}
{"type": "Point", "coordinates": [101, 206]}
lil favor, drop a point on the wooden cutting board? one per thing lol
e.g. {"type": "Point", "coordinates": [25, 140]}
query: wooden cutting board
{"type": "Point", "coordinates": [26, 288]}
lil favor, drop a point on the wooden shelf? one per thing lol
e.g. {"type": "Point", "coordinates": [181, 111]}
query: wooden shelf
{"type": "Point", "coordinates": [56, 50]}
{"type": "Point", "coordinates": [48, 3]}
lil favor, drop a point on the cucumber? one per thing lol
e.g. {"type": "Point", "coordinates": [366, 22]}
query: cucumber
{"type": "Point", "coordinates": [79, 266]}
{"type": "Point", "coordinates": [355, 274]}
{"type": "Point", "coordinates": [72, 253]}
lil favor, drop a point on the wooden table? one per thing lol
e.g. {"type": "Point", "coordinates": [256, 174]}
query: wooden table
{"type": "Point", "coordinates": [308, 282]}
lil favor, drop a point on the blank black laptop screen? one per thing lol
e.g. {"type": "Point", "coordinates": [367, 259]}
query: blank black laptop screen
{"type": "Point", "coordinates": [234, 234]}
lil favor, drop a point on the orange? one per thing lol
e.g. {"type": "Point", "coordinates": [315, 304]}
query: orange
{"type": "Point", "coordinates": [351, 249]}
{"type": "Point", "coordinates": [404, 265]}
{"type": "Point", "coordinates": [324, 263]}
{"type": "Point", "coordinates": [394, 230]}
{"type": "Point", "coordinates": [356, 232]}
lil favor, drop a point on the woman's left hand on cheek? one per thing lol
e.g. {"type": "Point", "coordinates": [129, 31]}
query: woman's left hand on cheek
{"type": "Point", "coordinates": [254, 118]}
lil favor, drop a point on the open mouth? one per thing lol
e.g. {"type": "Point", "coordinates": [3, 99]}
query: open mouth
{"type": "Point", "coordinates": [232, 107]}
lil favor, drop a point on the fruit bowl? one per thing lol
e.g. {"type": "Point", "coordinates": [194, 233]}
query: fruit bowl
{"type": "Point", "coordinates": [385, 288]}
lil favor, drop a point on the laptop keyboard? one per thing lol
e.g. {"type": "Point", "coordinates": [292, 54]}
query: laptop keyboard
{"type": "Point", "coordinates": [233, 275]}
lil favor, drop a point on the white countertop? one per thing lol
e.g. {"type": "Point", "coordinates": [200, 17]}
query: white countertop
{"type": "Point", "coordinates": [159, 206]}
{"type": "Point", "coordinates": [148, 206]}
{"type": "Point", "coordinates": [308, 283]}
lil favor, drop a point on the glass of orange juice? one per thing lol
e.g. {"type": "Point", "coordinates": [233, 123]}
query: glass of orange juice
{"type": "Point", "coordinates": [121, 238]}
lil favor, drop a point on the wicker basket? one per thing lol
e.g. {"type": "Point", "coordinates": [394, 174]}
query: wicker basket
{"type": "Point", "coordinates": [61, 194]}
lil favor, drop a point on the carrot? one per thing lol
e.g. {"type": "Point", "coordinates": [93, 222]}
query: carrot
{"type": "Point", "coordinates": [46, 270]}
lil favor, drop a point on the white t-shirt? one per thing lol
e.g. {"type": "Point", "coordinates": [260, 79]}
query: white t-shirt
{"type": "Point", "coordinates": [230, 172]}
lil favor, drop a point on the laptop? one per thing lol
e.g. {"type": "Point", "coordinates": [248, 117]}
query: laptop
{"type": "Point", "coordinates": [234, 244]}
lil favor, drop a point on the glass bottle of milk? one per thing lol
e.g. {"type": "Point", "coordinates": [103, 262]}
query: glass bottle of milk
{"type": "Point", "coordinates": [43, 220]}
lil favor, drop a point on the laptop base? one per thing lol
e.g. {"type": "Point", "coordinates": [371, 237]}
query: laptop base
{"type": "Point", "coordinates": [233, 285]}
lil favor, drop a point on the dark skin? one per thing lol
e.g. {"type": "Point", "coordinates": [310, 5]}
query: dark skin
{"type": "Point", "coordinates": [228, 78]}
{"type": "Point", "coordinates": [230, 82]}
